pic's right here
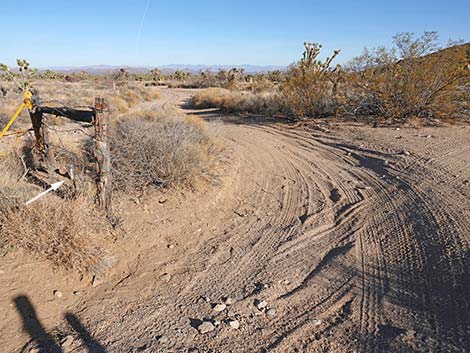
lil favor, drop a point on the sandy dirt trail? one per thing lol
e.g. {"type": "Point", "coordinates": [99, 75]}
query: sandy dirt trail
{"type": "Point", "coordinates": [357, 238]}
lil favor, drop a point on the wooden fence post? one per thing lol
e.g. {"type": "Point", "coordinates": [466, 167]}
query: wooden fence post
{"type": "Point", "coordinates": [36, 120]}
{"type": "Point", "coordinates": [104, 179]}
{"type": "Point", "coordinates": [41, 133]}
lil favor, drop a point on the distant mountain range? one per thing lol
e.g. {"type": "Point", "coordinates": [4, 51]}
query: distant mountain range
{"type": "Point", "coordinates": [104, 69]}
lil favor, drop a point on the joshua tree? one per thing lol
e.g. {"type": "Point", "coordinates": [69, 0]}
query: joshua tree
{"type": "Point", "coordinates": [22, 78]}
{"type": "Point", "coordinates": [156, 74]}
{"type": "Point", "coordinates": [221, 75]}
{"type": "Point", "coordinates": [274, 76]}
{"type": "Point", "coordinates": [235, 74]}
{"type": "Point", "coordinates": [181, 75]}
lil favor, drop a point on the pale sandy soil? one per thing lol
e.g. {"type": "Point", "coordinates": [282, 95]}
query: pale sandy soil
{"type": "Point", "coordinates": [357, 237]}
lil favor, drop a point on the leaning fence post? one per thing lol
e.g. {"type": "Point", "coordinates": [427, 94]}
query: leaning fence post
{"type": "Point", "coordinates": [41, 132]}
{"type": "Point", "coordinates": [104, 180]}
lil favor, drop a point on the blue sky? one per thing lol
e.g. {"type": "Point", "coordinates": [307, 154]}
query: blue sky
{"type": "Point", "coordinates": [157, 32]}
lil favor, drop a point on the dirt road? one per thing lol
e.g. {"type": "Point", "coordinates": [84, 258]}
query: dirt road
{"type": "Point", "coordinates": [358, 240]}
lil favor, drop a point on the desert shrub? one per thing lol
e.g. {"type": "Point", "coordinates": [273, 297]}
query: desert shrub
{"type": "Point", "coordinates": [238, 101]}
{"type": "Point", "coordinates": [310, 85]}
{"type": "Point", "coordinates": [209, 98]}
{"type": "Point", "coordinates": [261, 85]}
{"type": "Point", "coordinates": [204, 79]}
{"type": "Point", "coordinates": [13, 191]}
{"type": "Point", "coordinates": [410, 80]}
{"type": "Point", "coordinates": [160, 152]}
{"type": "Point", "coordinates": [65, 232]}
{"type": "Point", "coordinates": [145, 111]}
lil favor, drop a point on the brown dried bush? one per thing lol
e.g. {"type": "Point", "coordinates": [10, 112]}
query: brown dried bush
{"type": "Point", "coordinates": [160, 152]}
{"type": "Point", "coordinates": [238, 101]}
{"type": "Point", "coordinates": [68, 233]}
{"type": "Point", "coordinates": [411, 80]}
{"type": "Point", "coordinates": [13, 191]}
{"type": "Point", "coordinates": [65, 232]}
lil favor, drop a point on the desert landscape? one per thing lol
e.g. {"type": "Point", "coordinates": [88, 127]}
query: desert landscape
{"type": "Point", "coordinates": [316, 207]}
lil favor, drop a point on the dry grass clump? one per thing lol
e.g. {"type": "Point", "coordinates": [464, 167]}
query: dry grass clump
{"type": "Point", "coordinates": [83, 93]}
{"type": "Point", "coordinates": [13, 191]}
{"type": "Point", "coordinates": [9, 102]}
{"type": "Point", "coordinates": [68, 233]}
{"type": "Point", "coordinates": [238, 101]}
{"type": "Point", "coordinates": [64, 232]}
{"type": "Point", "coordinates": [145, 111]}
{"type": "Point", "coordinates": [160, 152]}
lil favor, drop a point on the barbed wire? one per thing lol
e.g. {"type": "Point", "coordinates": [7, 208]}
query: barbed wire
{"type": "Point", "coordinates": [68, 130]}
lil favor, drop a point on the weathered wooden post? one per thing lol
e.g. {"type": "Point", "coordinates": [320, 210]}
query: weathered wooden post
{"type": "Point", "coordinates": [104, 178]}
{"type": "Point", "coordinates": [41, 132]}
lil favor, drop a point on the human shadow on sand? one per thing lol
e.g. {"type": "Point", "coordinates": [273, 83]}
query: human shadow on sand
{"type": "Point", "coordinates": [43, 341]}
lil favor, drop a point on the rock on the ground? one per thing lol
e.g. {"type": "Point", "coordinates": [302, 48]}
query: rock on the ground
{"type": "Point", "coordinates": [58, 293]}
{"type": "Point", "coordinates": [67, 341]}
{"type": "Point", "coordinates": [316, 322]}
{"type": "Point", "coordinates": [229, 301]}
{"type": "Point", "coordinates": [166, 277]}
{"type": "Point", "coordinates": [219, 307]}
{"type": "Point", "coordinates": [260, 304]}
{"type": "Point", "coordinates": [271, 312]}
{"type": "Point", "coordinates": [96, 281]}
{"type": "Point", "coordinates": [234, 324]}
{"type": "Point", "coordinates": [205, 327]}
{"type": "Point", "coordinates": [162, 339]}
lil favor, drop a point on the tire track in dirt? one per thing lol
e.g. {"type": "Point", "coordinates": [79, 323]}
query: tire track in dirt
{"type": "Point", "coordinates": [356, 247]}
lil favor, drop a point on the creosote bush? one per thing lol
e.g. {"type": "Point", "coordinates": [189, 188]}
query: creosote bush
{"type": "Point", "coordinates": [410, 80]}
{"type": "Point", "coordinates": [160, 152]}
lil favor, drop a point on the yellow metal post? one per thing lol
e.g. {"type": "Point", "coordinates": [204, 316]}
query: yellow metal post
{"type": "Point", "coordinates": [26, 104]}
{"type": "Point", "coordinates": [12, 120]}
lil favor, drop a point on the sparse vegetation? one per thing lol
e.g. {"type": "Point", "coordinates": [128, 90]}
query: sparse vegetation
{"type": "Point", "coordinates": [266, 102]}
{"type": "Point", "coordinates": [64, 232]}
{"type": "Point", "coordinates": [162, 152]}
{"type": "Point", "coordinates": [68, 233]}
{"type": "Point", "coordinates": [408, 81]}
{"type": "Point", "coordinates": [311, 85]}
{"type": "Point", "coordinates": [412, 80]}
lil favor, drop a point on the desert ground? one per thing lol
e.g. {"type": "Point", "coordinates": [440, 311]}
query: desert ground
{"type": "Point", "coordinates": [318, 237]}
